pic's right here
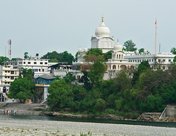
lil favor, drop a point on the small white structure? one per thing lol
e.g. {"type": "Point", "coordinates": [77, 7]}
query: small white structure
{"type": "Point", "coordinates": [60, 70]}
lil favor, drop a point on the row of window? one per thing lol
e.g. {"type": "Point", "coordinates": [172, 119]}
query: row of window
{"type": "Point", "coordinates": [39, 70]}
{"type": "Point", "coordinates": [7, 83]}
{"type": "Point", "coordinates": [119, 56]}
{"type": "Point", "coordinates": [151, 60]}
{"type": "Point", "coordinates": [11, 72]}
{"type": "Point", "coordinates": [10, 77]}
{"type": "Point", "coordinates": [163, 60]}
{"type": "Point", "coordinates": [114, 67]}
{"type": "Point", "coordinates": [33, 63]}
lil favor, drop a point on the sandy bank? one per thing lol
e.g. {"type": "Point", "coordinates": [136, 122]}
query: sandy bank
{"type": "Point", "coordinates": [61, 128]}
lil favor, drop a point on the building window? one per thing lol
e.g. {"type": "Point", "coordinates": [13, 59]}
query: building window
{"type": "Point", "coordinates": [41, 62]}
{"type": "Point", "coordinates": [29, 62]}
{"type": "Point", "coordinates": [114, 67]}
{"type": "Point", "coordinates": [24, 62]}
{"type": "Point", "coordinates": [35, 62]}
{"type": "Point", "coordinates": [12, 72]}
{"type": "Point", "coordinates": [163, 67]}
{"type": "Point", "coordinates": [46, 63]}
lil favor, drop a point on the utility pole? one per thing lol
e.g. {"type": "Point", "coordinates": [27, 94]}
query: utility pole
{"type": "Point", "coordinates": [10, 52]}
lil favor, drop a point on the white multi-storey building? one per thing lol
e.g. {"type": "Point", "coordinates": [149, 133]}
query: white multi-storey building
{"type": "Point", "coordinates": [130, 60]}
{"type": "Point", "coordinates": [8, 73]}
{"type": "Point", "coordinates": [39, 66]}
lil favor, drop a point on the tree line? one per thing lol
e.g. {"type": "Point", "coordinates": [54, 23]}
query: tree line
{"type": "Point", "coordinates": [145, 91]}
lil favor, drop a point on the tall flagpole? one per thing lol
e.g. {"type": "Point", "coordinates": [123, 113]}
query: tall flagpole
{"type": "Point", "coordinates": [10, 42]}
{"type": "Point", "coordinates": [155, 36]}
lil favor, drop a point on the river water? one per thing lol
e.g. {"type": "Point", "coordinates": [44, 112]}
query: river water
{"type": "Point", "coordinates": [43, 125]}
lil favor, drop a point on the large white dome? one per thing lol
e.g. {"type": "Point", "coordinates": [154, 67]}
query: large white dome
{"type": "Point", "coordinates": [102, 30]}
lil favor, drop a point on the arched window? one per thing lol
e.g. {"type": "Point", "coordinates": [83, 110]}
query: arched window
{"type": "Point", "coordinates": [114, 67]}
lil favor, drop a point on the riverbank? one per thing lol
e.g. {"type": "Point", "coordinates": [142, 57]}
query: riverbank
{"type": "Point", "coordinates": [41, 109]}
{"type": "Point", "coordinates": [22, 109]}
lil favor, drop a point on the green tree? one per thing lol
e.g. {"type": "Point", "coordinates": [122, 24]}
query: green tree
{"type": "Point", "coordinates": [59, 57]}
{"type": "Point", "coordinates": [26, 56]}
{"type": "Point", "coordinates": [52, 56]}
{"type": "Point", "coordinates": [86, 80]}
{"type": "Point", "coordinates": [143, 66]}
{"type": "Point", "coordinates": [108, 55]}
{"type": "Point", "coordinates": [100, 105]}
{"type": "Point", "coordinates": [173, 51]}
{"type": "Point", "coordinates": [122, 82]}
{"type": "Point", "coordinates": [174, 60]}
{"type": "Point", "coordinates": [27, 73]}
{"type": "Point", "coordinates": [94, 54]}
{"type": "Point", "coordinates": [60, 96]}
{"type": "Point", "coordinates": [65, 57]}
{"type": "Point", "coordinates": [129, 46]}
{"type": "Point", "coordinates": [96, 72]}
{"type": "Point", "coordinates": [22, 89]}
{"type": "Point", "coordinates": [141, 50]}
{"type": "Point", "coordinates": [3, 60]}
{"type": "Point", "coordinates": [69, 78]}
{"type": "Point", "coordinates": [153, 103]}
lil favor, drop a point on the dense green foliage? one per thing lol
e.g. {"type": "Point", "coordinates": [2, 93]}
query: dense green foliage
{"type": "Point", "coordinates": [173, 50]}
{"type": "Point", "coordinates": [148, 90]}
{"type": "Point", "coordinates": [23, 87]}
{"type": "Point", "coordinates": [129, 46]}
{"type": "Point", "coordinates": [59, 57]}
{"type": "Point", "coordinates": [96, 54]}
{"type": "Point", "coordinates": [141, 50]}
{"type": "Point", "coordinates": [3, 60]}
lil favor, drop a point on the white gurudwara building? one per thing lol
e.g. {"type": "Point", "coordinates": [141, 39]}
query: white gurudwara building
{"type": "Point", "coordinates": [103, 38]}
{"type": "Point", "coordinates": [122, 59]}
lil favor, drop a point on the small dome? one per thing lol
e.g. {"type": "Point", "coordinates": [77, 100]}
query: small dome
{"type": "Point", "coordinates": [118, 47]}
{"type": "Point", "coordinates": [102, 30]}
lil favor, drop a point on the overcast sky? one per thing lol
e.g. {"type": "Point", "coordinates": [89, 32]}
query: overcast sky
{"type": "Point", "coordinates": [41, 26]}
